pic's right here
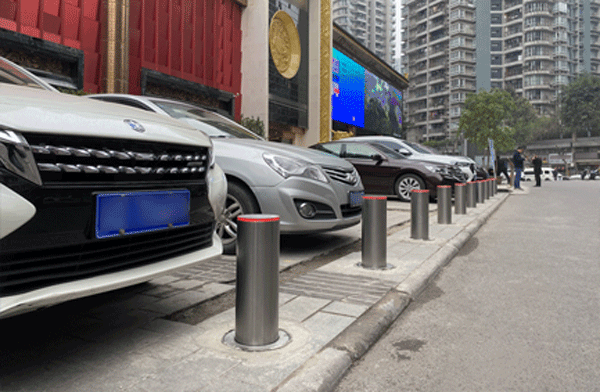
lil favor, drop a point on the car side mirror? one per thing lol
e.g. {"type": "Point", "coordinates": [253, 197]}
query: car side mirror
{"type": "Point", "coordinates": [403, 151]}
{"type": "Point", "coordinates": [377, 157]}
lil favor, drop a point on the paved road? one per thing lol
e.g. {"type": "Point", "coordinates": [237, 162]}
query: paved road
{"type": "Point", "coordinates": [517, 310]}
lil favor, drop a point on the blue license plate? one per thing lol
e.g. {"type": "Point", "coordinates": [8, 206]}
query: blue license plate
{"type": "Point", "coordinates": [125, 213]}
{"type": "Point", "coordinates": [356, 198]}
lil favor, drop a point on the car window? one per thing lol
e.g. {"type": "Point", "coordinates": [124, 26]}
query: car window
{"type": "Point", "coordinates": [12, 75]}
{"type": "Point", "coordinates": [390, 152]}
{"type": "Point", "coordinates": [220, 127]}
{"type": "Point", "coordinates": [391, 145]}
{"type": "Point", "coordinates": [361, 151]}
{"type": "Point", "coordinates": [417, 147]}
{"type": "Point", "coordinates": [124, 101]}
{"type": "Point", "coordinates": [335, 148]}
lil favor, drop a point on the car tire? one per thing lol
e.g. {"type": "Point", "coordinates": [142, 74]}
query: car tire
{"type": "Point", "coordinates": [407, 183]}
{"type": "Point", "coordinates": [239, 201]}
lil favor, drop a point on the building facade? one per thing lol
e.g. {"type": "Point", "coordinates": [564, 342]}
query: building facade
{"type": "Point", "coordinates": [454, 47]}
{"type": "Point", "coordinates": [371, 22]}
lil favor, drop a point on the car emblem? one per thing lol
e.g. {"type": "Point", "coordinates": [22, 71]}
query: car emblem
{"type": "Point", "coordinates": [136, 126]}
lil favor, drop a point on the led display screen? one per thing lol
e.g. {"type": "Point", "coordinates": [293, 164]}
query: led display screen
{"type": "Point", "coordinates": [348, 90]}
{"type": "Point", "coordinates": [383, 106]}
{"type": "Point", "coordinates": [360, 98]}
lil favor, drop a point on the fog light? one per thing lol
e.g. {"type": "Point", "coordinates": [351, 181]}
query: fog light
{"type": "Point", "coordinates": [307, 210]}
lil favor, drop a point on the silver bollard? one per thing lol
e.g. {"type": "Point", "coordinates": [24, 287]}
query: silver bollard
{"type": "Point", "coordinates": [460, 196]}
{"type": "Point", "coordinates": [419, 214]}
{"type": "Point", "coordinates": [444, 204]}
{"type": "Point", "coordinates": [494, 186]}
{"type": "Point", "coordinates": [472, 194]}
{"type": "Point", "coordinates": [257, 283]}
{"type": "Point", "coordinates": [490, 187]}
{"type": "Point", "coordinates": [374, 232]}
{"type": "Point", "coordinates": [486, 189]}
{"type": "Point", "coordinates": [480, 196]}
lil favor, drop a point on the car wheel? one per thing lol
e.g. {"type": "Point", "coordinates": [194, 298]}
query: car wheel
{"type": "Point", "coordinates": [239, 201]}
{"type": "Point", "coordinates": [406, 184]}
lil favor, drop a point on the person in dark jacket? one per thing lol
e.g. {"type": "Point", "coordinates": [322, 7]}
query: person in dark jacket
{"type": "Point", "coordinates": [518, 160]}
{"type": "Point", "coordinates": [502, 168]}
{"type": "Point", "coordinates": [537, 170]}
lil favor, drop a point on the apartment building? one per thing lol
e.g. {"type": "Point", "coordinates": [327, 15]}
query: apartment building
{"type": "Point", "coordinates": [370, 22]}
{"type": "Point", "coordinates": [453, 47]}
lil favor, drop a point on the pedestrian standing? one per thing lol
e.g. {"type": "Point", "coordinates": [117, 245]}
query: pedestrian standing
{"type": "Point", "coordinates": [537, 170]}
{"type": "Point", "coordinates": [518, 160]}
{"type": "Point", "coordinates": [502, 168]}
{"type": "Point", "coordinates": [555, 173]}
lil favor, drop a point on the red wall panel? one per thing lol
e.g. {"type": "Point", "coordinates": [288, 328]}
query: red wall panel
{"type": "Point", "coordinates": [196, 40]}
{"type": "Point", "coordinates": [73, 23]}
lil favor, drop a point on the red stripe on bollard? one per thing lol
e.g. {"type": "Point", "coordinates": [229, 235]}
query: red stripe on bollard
{"type": "Point", "coordinates": [420, 190]}
{"type": "Point", "coordinates": [255, 220]}
{"type": "Point", "coordinates": [375, 197]}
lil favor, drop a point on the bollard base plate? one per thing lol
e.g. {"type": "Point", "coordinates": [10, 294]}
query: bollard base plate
{"type": "Point", "coordinates": [282, 341]}
{"type": "Point", "coordinates": [387, 267]}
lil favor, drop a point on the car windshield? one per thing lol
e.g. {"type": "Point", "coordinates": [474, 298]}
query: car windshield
{"type": "Point", "coordinates": [220, 127]}
{"type": "Point", "coordinates": [11, 75]}
{"type": "Point", "coordinates": [418, 148]}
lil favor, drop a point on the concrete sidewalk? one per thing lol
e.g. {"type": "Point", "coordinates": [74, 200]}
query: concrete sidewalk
{"type": "Point", "coordinates": [333, 315]}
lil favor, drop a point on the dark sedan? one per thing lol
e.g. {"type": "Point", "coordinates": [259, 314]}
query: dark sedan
{"type": "Point", "coordinates": [386, 172]}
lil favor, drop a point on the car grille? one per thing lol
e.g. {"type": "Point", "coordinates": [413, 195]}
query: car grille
{"type": "Point", "coordinates": [457, 173]}
{"type": "Point", "coordinates": [347, 176]}
{"type": "Point", "coordinates": [95, 160]}
{"type": "Point", "coordinates": [31, 270]}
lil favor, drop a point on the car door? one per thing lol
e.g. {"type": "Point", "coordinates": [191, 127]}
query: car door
{"type": "Point", "coordinates": [377, 175]}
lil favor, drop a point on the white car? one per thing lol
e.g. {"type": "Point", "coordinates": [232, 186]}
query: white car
{"type": "Point", "coordinates": [310, 191]}
{"type": "Point", "coordinates": [418, 152]}
{"type": "Point", "coordinates": [546, 175]}
{"type": "Point", "coordinates": [95, 197]}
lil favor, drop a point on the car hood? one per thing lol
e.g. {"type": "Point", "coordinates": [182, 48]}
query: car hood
{"type": "Point", "coordinates": [33, 110]}
{"type": "Point", "coordinates": [309, 155]}
{"type": "Point", "coordinates": [435, 158]}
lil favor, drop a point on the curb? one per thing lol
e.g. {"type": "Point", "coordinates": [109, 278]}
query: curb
{"type": "Point", "coordinates": [324, 370]}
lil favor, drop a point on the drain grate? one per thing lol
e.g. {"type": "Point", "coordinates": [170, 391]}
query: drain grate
{"type": "Point", "coordinates": [337, 287]}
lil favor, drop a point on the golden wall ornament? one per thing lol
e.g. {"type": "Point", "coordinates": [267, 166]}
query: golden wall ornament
{"type": "Point", "coordinates": [325, 72]}
{"type": "Point", "coordinates": [284, 43]}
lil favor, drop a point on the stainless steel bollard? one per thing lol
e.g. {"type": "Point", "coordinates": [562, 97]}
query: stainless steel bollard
{"type": "Point", "coordinates": [486, 189]}
{"type": "Point", "coordinates": [494, 186]}
{"type": "Point", "coordinates": [444, 204]}
{"type": "Point", "coordinates": [374, 232]}
{"type": "Point", "coordinates": [460, 199]}
{"type": "Point", "coordinates": [257, 283]}
{"type": "Point", "coordinates": [480, 195]}
{"type": "Point", "coordinates": [419, 214]}
{"type": "Point", "coordinates": [472, 194]}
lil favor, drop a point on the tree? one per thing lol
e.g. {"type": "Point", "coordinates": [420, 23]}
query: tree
{"type": "Point", "coordinates": [486, 116]}
{"type": "Point", "coordinates": [522, 119]}
{"type": "Point", "coordinates": [255, 125]}
{"type": "Point", "coordinates": [580, 105]}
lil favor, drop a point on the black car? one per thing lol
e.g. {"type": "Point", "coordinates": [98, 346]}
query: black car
{"type": "Point", "coordinates": [384, 171]}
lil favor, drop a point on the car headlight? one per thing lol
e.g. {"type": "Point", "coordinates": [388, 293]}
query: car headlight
{"type": "Point", "coordinates": [16, 156]}
{"type": "Point", "coordinates": [288, 167]}
{"type": "Point", "coordinates": [211, 157]}
{"type": "Point", "coordinates": [443, 170]}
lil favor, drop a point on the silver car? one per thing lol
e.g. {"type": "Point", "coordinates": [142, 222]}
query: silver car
{"type": "Point", "coordinates": [311, 191]}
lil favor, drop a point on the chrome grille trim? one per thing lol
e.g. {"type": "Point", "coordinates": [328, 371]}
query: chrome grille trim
{"type": "Point", "coordinates": [347, 176]}
{"type": "Point", "coordinates": [89, 159]}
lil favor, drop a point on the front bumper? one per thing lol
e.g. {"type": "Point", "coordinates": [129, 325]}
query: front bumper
{"type": "Point", "coordinates": [28, 301]}
{"type": "Point", "coordinates": [333, 200]}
